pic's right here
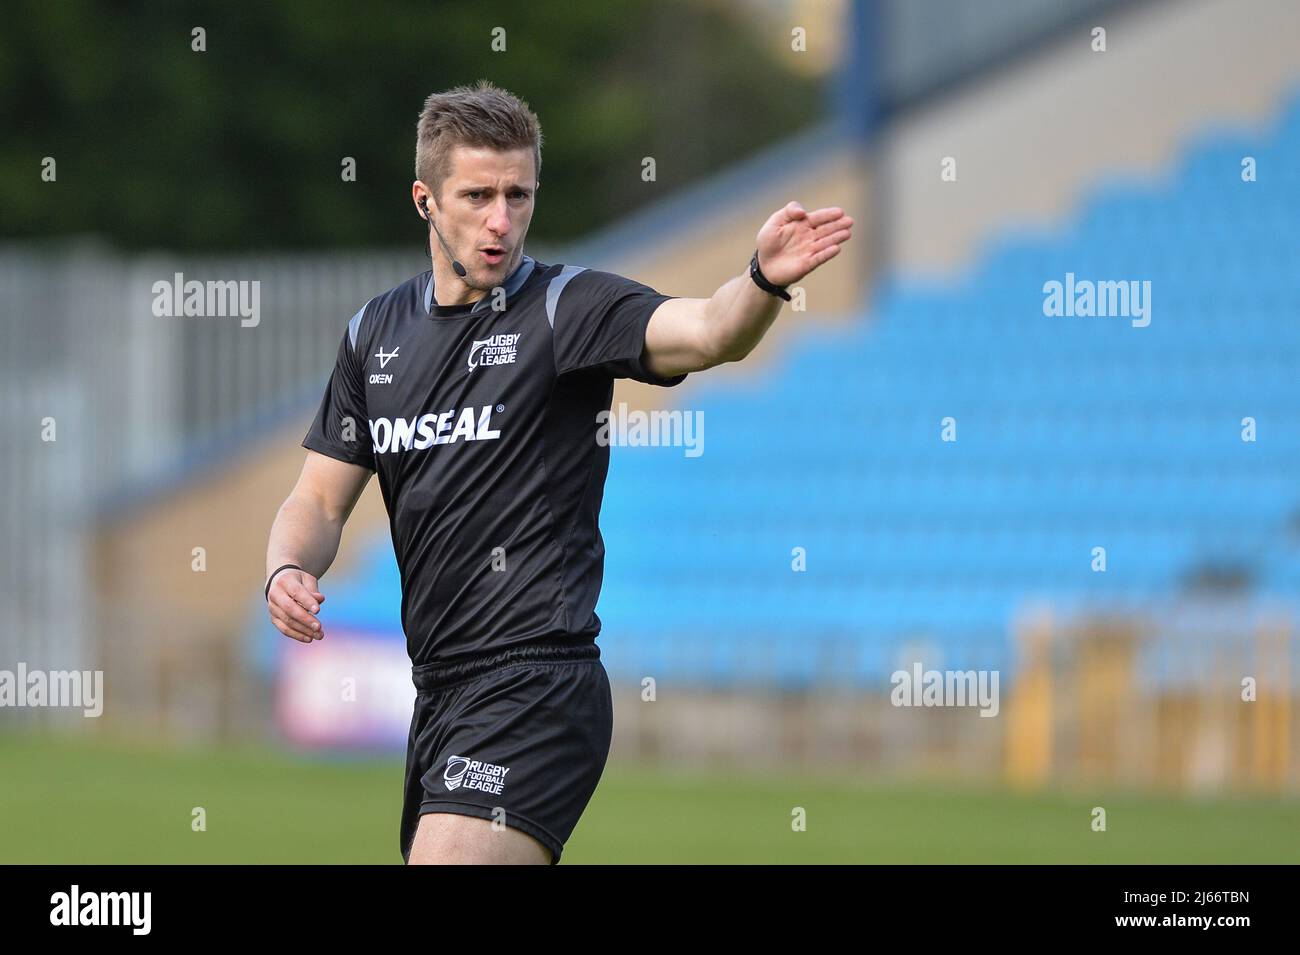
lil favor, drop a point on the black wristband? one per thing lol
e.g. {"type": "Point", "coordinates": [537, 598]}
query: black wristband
{"type": "Point", "coordinates": [761, 281]}
{"type": "Point", "coordinates": [267, 595]}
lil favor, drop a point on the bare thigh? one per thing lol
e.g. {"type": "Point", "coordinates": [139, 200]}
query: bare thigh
{"type": "Point", "coordinates": [448, 838]}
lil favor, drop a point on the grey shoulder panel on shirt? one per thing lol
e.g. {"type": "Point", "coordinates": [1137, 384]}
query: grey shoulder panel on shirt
{"type": "Point", "coordinates": [556, 286]}
{"type": "Point", "coordinates": [354, 324]}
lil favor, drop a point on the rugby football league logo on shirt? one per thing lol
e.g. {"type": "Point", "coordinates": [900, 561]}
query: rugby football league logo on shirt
{"type": "Point", "coordinates": [495, 350]}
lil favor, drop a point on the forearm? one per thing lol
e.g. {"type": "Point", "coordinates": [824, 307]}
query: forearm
{"type": "Point", "coordinates": [738, 316]}
{"type": "Point", "coordinates": [304, 533]}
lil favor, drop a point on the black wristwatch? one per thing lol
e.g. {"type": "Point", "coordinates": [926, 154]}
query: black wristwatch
{"type": "Point", "coordinates": [761, 281]}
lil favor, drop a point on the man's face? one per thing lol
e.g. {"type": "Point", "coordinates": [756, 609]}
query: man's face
{"type": "Point", "coordinates": [485, 209]}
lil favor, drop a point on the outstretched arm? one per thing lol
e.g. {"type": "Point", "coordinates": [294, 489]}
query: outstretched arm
{"type": "Point", "coordinates": [691, 334]}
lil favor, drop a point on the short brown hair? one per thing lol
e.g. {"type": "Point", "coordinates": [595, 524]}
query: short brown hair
{"type": "Point", "coordinates": [478, 115]}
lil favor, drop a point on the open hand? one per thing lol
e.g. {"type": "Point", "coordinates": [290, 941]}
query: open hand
{"type": "Point", "coordinates": [794, 241]}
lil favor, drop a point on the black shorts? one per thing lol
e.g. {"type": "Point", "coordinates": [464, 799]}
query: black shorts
{"type": "Point", "coordinates": [521, 735]}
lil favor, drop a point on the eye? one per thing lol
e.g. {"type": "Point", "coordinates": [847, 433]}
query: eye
{"type": "Point", "coordinates": [474, 194]}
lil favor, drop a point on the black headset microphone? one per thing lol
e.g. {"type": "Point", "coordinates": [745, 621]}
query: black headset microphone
{"type": "Point", "coordinates": [455, 263]}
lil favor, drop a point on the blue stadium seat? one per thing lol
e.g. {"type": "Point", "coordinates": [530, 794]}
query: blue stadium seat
{"type": "Point", "coordinates": [1072, 433]}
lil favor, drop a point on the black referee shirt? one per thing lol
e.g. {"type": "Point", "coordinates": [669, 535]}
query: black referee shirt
{"type": "Point", "coordinates": [481, 424]}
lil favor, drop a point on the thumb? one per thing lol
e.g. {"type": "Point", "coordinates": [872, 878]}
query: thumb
{"type": "Point", "coordinates": [794, 210]}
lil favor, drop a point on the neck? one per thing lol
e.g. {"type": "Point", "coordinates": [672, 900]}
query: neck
{"type": "Point", "coordinates": [450, 289]}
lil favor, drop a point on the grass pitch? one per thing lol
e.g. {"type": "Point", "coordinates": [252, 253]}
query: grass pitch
{"type": "Point", "coordinates": [92, 801]}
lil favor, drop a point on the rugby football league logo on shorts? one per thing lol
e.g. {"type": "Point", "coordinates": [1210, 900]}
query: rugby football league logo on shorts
{"type": "Point", "coordinates": [474, 774]}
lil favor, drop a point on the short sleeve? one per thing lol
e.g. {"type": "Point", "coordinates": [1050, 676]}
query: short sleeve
{"type": "Point", "coordinates": [342, 427]}
{"type": "Point", "coordinates": [600, 323]}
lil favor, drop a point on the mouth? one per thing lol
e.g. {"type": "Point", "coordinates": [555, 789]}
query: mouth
{"type": "Point", "coordinates": [493, 254]}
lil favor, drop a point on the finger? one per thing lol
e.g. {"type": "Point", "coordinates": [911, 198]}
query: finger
{"type": "Point", "coordinates": [833, 225]}
{"type": "Point", "coordinates": [310, 585]}
{"type": "Point", "coordinates": [294, 611]}
{"type": "Point", "coordinates": [827, 231]}
{"type": "Point", "coordinates": [284, 616]}
{"type": "Point", "coordinates": [291, 634]}
{"type": "Point", "coordinates": [825, 255]}
{"type": "Point", "coordinates": [302, 596]}
{"type": "Point", "coordinates": [794, 210]}
{"type": "Point", "coordinates": [289, 629]}
{"type": "Point", "coordinates": [822, 216]}
{"type": "Point", "coordinates": [842, 236]}
{"type": "Point", "coordinates": [305, 629]}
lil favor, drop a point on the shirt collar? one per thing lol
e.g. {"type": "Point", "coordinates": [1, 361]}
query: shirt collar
{"type": "Point", "coordinates": [511, 285]}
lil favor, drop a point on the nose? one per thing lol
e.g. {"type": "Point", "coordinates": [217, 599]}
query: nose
{"type": "Point", "coordinates": [499, 221]}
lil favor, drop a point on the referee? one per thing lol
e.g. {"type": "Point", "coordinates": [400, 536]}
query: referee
{"type": "Point", "coordinates": [472, 391]}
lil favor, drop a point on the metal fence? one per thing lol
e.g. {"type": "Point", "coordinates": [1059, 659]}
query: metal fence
{"type": "Point", "coordinates": [102, 400]}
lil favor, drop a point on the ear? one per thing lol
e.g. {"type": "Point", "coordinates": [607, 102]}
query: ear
{"type": "Point", "coordinates": [420, 196]}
